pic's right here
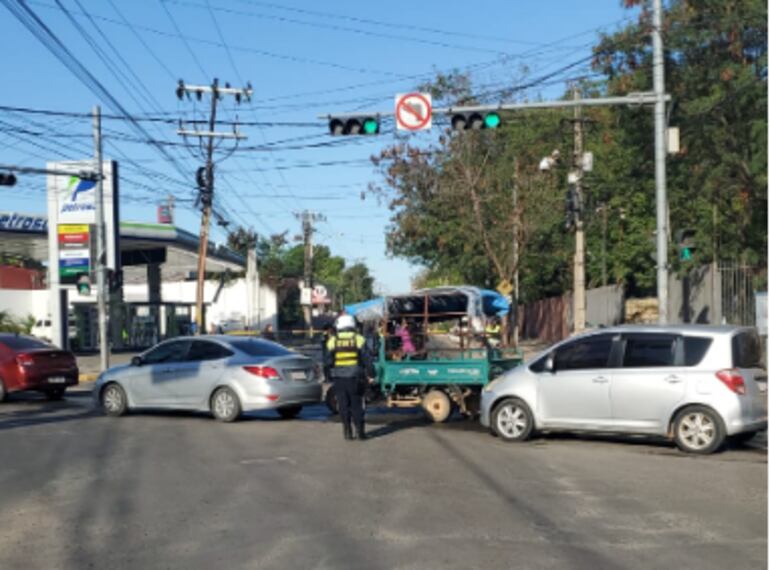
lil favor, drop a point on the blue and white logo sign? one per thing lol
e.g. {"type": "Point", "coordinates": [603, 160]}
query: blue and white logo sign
{"type": "Point", "coordinates": [76, 201]}
{"type": "Point", "coordinates": [13, 222]}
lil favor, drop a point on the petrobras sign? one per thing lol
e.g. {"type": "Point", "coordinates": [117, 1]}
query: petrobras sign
{"type": "Point", "coordinates": [72, 200]}
{"type": "Point", "coordinates": [13, 222]}
{"type": "Point", "coordinates": [77, 200]}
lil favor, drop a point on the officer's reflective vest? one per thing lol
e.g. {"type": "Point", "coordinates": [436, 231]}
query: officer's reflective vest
{"type": "Point", "coordinates": [493, 330]}
{"type": "Point", "coordinates": [346, 348]}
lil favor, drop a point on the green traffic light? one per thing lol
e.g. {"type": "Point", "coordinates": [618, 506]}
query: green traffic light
{"type": "Point", "coordinates": [492, 120]}
{"type": "Point", "coordinates": [686, 254]}
{"type": "Point", "coordinates": [371, 127]}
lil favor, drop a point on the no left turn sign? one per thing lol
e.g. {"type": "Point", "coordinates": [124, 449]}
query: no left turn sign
{"type": "Point", "coordinates": [413, 112]}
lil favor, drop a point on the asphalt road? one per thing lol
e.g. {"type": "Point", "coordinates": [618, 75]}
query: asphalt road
{"type": "Point", "coordinates": [79, 490]}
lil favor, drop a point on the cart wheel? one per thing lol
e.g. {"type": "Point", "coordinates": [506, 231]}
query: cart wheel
{"type": "Point", "coordinates": [437, 405]}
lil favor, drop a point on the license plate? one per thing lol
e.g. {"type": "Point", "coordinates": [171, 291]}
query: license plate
{"type": "Point", "coordinates": [298, 375]}
{"type": "Point", "coordinates": [57, 380]}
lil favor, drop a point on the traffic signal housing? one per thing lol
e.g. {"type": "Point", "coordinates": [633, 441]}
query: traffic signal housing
{"type": "Point", "coordinates": [84, 285]}
{"type": "Point", "coordinates": [573, 207]}
{"type": "Point", "coordinates": [7, 179]}
{"type": "Point", "coordinates": [685, 243]}
{"type": "Point", "coordinates": [363, 125]}
{"type": "Point", "coordinates": [475, 121]}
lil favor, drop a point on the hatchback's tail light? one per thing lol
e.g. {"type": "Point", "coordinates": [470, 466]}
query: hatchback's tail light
{"type": "Point", "coordinates": [733, 380]}
{"type": "Point", "coordinates": [266, 372]}
{"type": "Point", "coordinates": [24, 359]}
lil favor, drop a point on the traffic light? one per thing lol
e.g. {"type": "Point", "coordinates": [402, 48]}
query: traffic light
{"type": "Point", "coordinates": [685, 242]}
{"type": "Point", "coordinates": [572, 207]}
{"type": "Point", "coordinates": [7, 179]}
{"type": "Point", "coordinates": [354, 125]}
{"type": "Point", "coordinates": [84, 285]}
{"type": "Point", "coordinates": [475, 121]}
{"type": "Point", "coordinates": [115, 280]}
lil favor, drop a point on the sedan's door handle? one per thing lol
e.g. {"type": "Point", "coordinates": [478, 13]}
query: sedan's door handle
{"type": "Point", "coordinates": [600, 380]}
{"type": "Point", "coordinates": [673, 379]}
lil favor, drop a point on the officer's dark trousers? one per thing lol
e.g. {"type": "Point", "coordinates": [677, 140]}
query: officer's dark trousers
{"type": "Point", "coordinates": [350, 399]}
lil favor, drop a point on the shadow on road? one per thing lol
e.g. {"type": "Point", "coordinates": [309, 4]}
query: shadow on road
{"type": "Point", "coordinates": [29, 409]}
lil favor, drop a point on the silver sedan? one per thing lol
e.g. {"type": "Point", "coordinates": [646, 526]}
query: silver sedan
{"type": "Point", "coordinates": [223, 375]}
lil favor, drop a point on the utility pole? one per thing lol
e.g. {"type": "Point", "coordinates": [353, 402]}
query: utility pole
{"type": "Point", "coordinates": [206, 182]}
{"type": "Point", "coordinates": [100, 266]}
{"type": "Point", "coordinates": [579, 282]}
{"type": "Point", "coordinates": [307, 217]}
{"type": "Point", "coordinates": [516, 228]}
{"type": "Point", "coordinates": [661, 201]}
{"type": "Point", "coordinates": [604, 244]}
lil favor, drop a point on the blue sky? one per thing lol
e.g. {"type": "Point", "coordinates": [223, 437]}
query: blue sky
{"type": "Point", "coordinates": [303, 59]}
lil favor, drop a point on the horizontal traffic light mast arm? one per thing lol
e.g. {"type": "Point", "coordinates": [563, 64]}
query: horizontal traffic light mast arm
{"type": "Point", "coordinates": [641, 98]}
{"type": "Point", "coordinates": [82, 174]}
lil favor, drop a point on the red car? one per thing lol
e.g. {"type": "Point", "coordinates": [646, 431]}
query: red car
{"type": "Point", "coordinates": [27, 363]}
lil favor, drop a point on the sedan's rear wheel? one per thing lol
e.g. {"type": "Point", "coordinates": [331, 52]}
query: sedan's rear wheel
{"type": "Point", "coordinates": [698, 430]}
{"type": "Point", "coordinates": [3, 393]}
{"type": "Point", "coordinates": [114, 401]}
{"type": "Point", "coordinates": [225, 405]}
{"type": "Point", "coordinates": [512, 420]}
{"type": "Point", "coordinates": [289, 412]}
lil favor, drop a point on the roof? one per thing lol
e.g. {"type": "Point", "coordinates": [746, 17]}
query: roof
{"type": "Point", "coordinates": [676, 329]}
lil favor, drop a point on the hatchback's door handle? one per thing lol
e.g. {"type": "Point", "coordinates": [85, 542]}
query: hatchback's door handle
{"type": "Point", "coordinates": [600, 380]}
{"type": "Point", "coordinates": [673, 379]}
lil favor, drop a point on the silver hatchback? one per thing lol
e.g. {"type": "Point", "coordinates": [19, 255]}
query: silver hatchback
{"type": "Point", "coordinates": [694, 384]}
{"type": "Point", "coordinates": [224, 375]}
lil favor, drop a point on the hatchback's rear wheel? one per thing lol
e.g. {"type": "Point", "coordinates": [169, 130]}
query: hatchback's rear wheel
{"type": "Point", "coordinates": [512, 420]}
{"type": "Point", "coordinates": [698, 429]}
{"type": "Point", "coordinates": [289, 412]}
{"type": "Point", "coordinates": [225, 405]}
{"type": "Point", "coordinates": [114, 402]}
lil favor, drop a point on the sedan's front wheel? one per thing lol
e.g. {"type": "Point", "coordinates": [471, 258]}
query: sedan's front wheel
{"type": "Point", "coordinates": [225, 405]}
{"type": "Point", "coordinates": [114, 402]}
{"type": "Point", "coordinates": [512, 420]}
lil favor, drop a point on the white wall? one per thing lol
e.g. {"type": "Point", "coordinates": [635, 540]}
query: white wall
{"type": "Point", "coordinates": [24, 302]}
{"type": "Point", "coordinates": [231, 305]}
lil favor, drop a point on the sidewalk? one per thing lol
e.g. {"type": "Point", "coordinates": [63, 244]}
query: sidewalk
{"type": "Point", "coordinates": [89, 364]}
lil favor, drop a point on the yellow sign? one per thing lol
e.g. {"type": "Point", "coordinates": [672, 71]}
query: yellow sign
{"type": "Point", "coordinates": [505, 288]}
{"type": "Point", "coordinates": [73, 228]}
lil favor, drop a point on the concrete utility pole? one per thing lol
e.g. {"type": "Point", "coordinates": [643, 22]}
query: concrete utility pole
{"type": "Point", "coordinates": [101, 250]}
{"type": "Point", "coordinates": [661, 201]}
{"type": "Point", "coordinates": [307, 235]}
{"type": "Point", "coordinates": [207, 187]}
{"type": "Point", "coordinates": [579, 283]}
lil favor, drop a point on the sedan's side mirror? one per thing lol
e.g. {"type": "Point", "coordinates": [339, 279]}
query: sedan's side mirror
{"type": "Point", "coordinates": [136, 361]}
{"type": "Point", "coordinates": [550, 364]}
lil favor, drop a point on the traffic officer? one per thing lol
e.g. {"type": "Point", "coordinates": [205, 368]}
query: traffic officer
{"type": "Point", "coordinates": [347, 360]}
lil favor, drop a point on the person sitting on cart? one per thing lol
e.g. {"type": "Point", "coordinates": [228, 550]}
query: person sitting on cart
{"type": "Point", "coordinates": [407, 345]}
{"type": "Point", "coordinates": [349, 363]}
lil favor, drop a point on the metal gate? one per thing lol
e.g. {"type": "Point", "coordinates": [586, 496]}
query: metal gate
{"type": "Point", "coordinates": [739, 284]}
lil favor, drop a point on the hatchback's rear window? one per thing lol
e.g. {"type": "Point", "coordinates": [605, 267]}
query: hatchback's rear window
{"type": "Point", "coordinates": [746, 350]}
{"type": "Point", "coordinates": [23, 342]}
{"type": "Point", "coordinates": [695, 348]}
{"type": "Point", "coordinates": [255, 347]}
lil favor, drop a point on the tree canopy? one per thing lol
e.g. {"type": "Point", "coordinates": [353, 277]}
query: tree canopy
{"type": "Point", "coordinates": [451, 202]}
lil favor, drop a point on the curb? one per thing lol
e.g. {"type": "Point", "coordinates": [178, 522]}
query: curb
{"type": "Point", "coordinates": [85, 378]}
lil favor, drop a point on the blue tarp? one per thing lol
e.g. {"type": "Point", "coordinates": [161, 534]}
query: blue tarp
{"type": "Point", "coordinates": [494, 303]}
{"type": "Point", "coordinates": [491, 303]}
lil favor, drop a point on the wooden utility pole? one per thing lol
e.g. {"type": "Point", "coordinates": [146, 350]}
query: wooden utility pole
{"type": "Point", "coordinates": [579, 282]}
{"type": "Point", "coordinates": [206, 182]}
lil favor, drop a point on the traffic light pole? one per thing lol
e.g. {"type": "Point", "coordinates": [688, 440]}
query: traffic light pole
{"type": "Point", "coordinates": [661, 201]}
{"type": "Point", "coordinates": [579, 284]}
{"type": "Point", "coordinates": [101, 294]}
